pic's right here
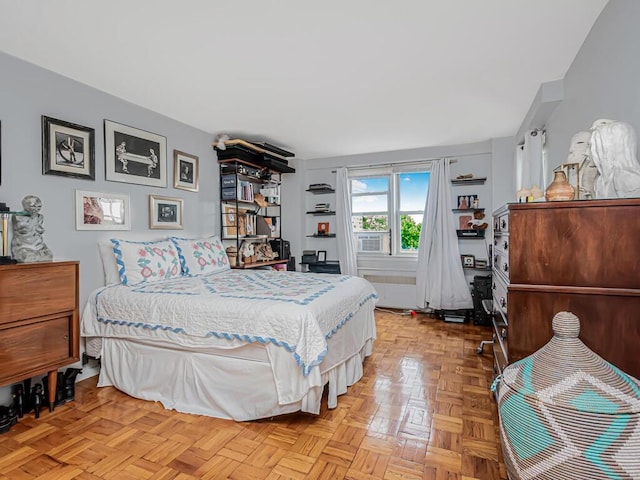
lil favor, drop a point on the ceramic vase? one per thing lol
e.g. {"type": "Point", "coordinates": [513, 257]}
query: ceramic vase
{"type": "Point", "coordinates": [559, 189]}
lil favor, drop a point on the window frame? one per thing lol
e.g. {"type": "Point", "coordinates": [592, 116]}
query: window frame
{"type": "Point", "coordinates": [393, 213]}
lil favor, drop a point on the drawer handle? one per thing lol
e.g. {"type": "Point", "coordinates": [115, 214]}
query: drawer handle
{"type": "Point", "coordinates": [495, 242]}
{"type": "Point", "coordinates": [66, 336]}
{"type": "Point", "coordinates": [503, 302]}
{"type": "Point", "coordinates": [495, 259]}
{"type": "Point", "coordinates": [506, 245]}
{"type": "Point", "coordinates": [505, 267]}
{"type": "Point", "coordinates": [504, 224]}
{"type": "Point", "coordinates": [494, 286]}
{"type": "Point", "coordinates": [503, 333]}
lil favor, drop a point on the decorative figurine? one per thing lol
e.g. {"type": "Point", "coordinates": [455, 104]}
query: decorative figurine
{"type": "Point", "coordinates": [27, 244]}
{"type": "Point", "coordinates": [613, 151]}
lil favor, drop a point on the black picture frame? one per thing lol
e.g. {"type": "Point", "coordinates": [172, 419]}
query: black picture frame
{"type": "Point", "coordinates": [466, 202]}
{"type": "Point", "coordinates": [68, 149]}
{"type": "Point", "coordinates": [322, 256]}
{"type": "Point", "coordinates": [134, 156]}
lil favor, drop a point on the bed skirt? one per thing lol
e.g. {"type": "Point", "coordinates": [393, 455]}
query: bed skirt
{"type": "Point", "coordinates": [240, 383]}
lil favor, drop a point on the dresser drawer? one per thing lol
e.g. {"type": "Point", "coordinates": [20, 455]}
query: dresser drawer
{"type": "Point", "coordinates": [501, 244]}
{"type": "Point", "coordinates": [33, 290]}
{"type": "Point", "coordinates": [499, 293]}
{"type": "Point", "coordinates": [501, 263]}
{"type": "Point", "coordinates": [501, 222]}
{"type": "Point", "coordinates": [35, 346]}
{"type": "Point", "coordinates": [500, 344]}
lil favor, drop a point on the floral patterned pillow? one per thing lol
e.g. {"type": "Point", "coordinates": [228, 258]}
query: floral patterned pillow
{"type": "Point", "coordinates": [200, 256]}
{"type": "Point", "coordinates": [146, 262]}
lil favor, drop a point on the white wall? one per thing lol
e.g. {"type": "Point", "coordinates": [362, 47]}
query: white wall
{"type": "Point", "coordinates": [26, 93]}
{"type": "Point", "coordinates": [603, 80]}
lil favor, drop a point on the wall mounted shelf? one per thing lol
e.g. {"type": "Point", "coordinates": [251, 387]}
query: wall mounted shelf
{"type": "Point", "coordinates": [317, 191]}
{"type": "Point", "coordinates": [469, 181]}
{"type": "Point", "coordinates": [317, 214]}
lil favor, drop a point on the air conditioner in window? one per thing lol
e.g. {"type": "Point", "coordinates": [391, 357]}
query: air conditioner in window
{"type": "Point", "coordinates": [370, 242]}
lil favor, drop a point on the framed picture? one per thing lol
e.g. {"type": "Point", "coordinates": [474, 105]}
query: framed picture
{"type": "Point", "coordinates": [323, 228]}
{"type": "Point", "coordinates": [102, 211]}
{"type": "Point", "coordinates": [185, 171]}
{"type": "Point", "coordinates": [233, 223]}
{"type": "Point", "coordinates": [68, 149]}
{"type": "Point", "coordinates": [134, 156]}
{"type": "Point", "coordinates": [468, 261]}
{"type": "Point", "coordinates": [165, 212]}
{"type": "Point", "coordinates": [322, 256]}
{"type": "Point", "coordinates": [463, 221]}
{"type": "Point", "coordinates": [468, 201]}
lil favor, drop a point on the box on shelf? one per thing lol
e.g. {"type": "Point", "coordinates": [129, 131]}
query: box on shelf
{"type": "Point", "coordinates": [239, 152]}
{"type": "Point", "coordinates": [229, 193]}
{"type": "Point", "coordinates": [228, 180]}
{"type": "Point", "coordinates": [309, 256]}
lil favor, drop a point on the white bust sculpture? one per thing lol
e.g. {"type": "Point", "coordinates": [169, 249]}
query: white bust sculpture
{"type": "Point", "coordinates": [613, 151]}
{"type": "Point", "coordinates": [27, 244]}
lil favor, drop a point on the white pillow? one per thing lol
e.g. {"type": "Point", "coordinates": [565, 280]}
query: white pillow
{"type": "Point", "coordinates": [146, 262]}
{"type": "Point", "coordinates": [199, 256]}
{"type": "Point", "coordinates": [111, 275]}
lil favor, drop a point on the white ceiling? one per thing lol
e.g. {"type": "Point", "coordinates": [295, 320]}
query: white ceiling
{"type": "Point", "coordinates": [324, 78]}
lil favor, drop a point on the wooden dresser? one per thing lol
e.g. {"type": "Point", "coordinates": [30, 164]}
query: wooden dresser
{"type": "Point", "coordinates": [39, 328]}
{"type": "Point", "coordinates": [578, 256]}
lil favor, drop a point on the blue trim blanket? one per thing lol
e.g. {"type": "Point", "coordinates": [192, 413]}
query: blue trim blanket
{"type": "Point", "coordinates": [298, 312]}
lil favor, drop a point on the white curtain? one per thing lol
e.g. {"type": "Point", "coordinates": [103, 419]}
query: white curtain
{"type": "Point", "coordinates": [344, 233]}
{"type": "Point", "coordinates": [523, 177]}
{"type": "Point", "coordinates": [440, 278]}
{"type": "Point", "coordinates": [531, 165]}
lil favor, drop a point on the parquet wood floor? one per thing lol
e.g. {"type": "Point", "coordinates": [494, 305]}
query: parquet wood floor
{"type": "Point", "coordinates": [423, 410]}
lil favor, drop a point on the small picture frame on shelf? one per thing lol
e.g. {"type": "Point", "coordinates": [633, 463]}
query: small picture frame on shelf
{"type": "Point", "coordinates": [466, 202]}
{"type": "Point", "coordinates": [464, 221]}
{"type": "Point", "coordinates": [468, 261]}
{"type": "Point", "coordinates": [323, 228]}
{"type": "Point", "coordinates": [322, 256]}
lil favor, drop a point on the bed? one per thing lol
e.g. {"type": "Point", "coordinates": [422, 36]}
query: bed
{"type": "Point", "coordinates": [234, 344]}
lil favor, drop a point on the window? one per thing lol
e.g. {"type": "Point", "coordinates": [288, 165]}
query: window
{"type": "Point", "coordinates": [387, 206]}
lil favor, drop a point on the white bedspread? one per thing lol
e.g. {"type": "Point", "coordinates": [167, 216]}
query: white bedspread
{"type": "Point", "coordinates": [295, 311]}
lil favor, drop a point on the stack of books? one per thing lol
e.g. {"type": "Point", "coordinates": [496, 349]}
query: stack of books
{"type": "Point", "coordinates": [322, 207]}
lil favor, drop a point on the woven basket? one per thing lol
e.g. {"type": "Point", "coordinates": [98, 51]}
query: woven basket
{"type": "Point", "coordinates": [565, 413]}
